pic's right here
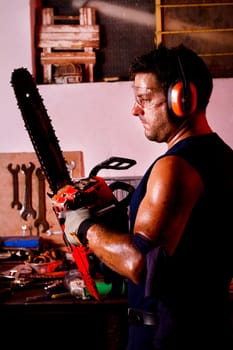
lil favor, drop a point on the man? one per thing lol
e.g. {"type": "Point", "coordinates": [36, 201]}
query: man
{"type": "Point", "coordinates": [177, 257]}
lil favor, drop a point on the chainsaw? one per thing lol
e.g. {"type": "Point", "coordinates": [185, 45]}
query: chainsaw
{"type": "Point", "coordinates": [92, 191]}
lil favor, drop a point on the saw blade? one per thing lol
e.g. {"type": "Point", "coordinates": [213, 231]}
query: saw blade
{"type": "Point", "coordinates": [39, 127]}
{"type": "Point", "coordinates": [47, 148]}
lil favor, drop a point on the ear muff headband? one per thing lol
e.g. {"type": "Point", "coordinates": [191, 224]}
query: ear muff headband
{"type": "Point", "coordinates": [182, 101]}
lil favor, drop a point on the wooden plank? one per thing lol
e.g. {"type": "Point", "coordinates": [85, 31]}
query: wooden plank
{"type": "Point", "coordinates": [68, 28]}
{"type": "Point", "coordinates": [69, 44]}
{"type": "Point", "coordinates": [66, 36]}
{"type": "Point", "coordinates": [66, 18]}
{"type": "Point", "coordinates": [55, 36]}
{"type": "Point", "coordinates": [47, 16]}
{"type": "Point", "coordinates": [68, 57]}
{"type": "Point", "coordinates": [87, 15]}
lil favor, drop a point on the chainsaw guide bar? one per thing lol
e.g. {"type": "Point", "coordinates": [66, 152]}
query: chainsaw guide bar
{"type": "Point", "coordinates": [39, 127]}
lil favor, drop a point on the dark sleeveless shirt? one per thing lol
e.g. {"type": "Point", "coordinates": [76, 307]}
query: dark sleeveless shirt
{"type": "Point", "coordinates": [194, 282]}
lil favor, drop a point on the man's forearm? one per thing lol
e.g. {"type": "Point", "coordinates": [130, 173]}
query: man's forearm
{"type": "Point", "coordinates": [117, 251]}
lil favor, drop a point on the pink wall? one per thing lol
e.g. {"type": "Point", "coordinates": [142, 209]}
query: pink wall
{"type": "Point", "coordinates": [92, 117]}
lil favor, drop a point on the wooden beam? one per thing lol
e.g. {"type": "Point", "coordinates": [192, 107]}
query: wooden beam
{"type": "Point", "coordinates": [68, 57]}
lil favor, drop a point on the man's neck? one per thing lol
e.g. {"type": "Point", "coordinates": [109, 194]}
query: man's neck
{"type": "Point", "coordinates": [192, 126]}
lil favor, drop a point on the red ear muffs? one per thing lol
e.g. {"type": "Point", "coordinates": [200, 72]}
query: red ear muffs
{"type": "Point", "coordinates": [180, 102]}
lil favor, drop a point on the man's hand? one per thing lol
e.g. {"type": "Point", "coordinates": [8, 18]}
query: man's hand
{"type": "Point", "coordinates": [76, 225]}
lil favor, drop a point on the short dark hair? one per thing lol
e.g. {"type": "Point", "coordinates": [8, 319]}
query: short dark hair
{"type": "Point", "coordinates": [164, 63]}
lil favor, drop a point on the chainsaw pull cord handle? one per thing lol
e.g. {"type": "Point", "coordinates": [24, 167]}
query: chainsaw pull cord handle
{"type": "Point", "coordinates": [115, 163]}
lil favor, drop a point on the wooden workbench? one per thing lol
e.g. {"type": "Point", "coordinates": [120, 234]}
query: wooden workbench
{"type": "Point", "coordinates": [68, 322]}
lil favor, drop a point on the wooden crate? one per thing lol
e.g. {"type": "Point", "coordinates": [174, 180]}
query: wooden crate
{"type": "Point", "coordinates": [68, 43]}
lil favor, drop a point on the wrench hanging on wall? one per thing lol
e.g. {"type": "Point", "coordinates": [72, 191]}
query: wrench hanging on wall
{"type": "Point", "coordinates": [41, 219]}
{"type": "Point", "coordinates": [27, 208]}
{"type": "Point", "coordinates": [15, 171]}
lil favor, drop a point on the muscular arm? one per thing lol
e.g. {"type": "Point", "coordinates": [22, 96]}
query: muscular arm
{"type": "Point", "coordinates": [116, 251]}
{"type": "Point", "coordinates": [173, 189]}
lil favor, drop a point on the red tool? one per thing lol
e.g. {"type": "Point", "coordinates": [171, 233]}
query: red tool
{"type": "Point", "coordinates": [92, 191]}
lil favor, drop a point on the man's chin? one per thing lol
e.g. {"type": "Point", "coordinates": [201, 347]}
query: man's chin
{"type": "Point", "coordinates": [148, 136]}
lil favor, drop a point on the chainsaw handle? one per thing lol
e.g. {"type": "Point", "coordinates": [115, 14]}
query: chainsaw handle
{"type": "Point", "coordinates": [116, 163]}
{"type": "Point", "coordinates": [120, 185]}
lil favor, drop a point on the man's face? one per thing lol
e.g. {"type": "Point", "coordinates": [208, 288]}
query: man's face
{"type": "Point", "coordinates": [151, 107]}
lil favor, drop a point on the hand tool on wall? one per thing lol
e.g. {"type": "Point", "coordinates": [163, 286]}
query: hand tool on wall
{"type": "Point", "coordinates": [41, 218]}
{"type": "Point", "coordinates": [71, 167]}
{"type": "Point", "coordinates": [15, 180]}
{"type": "Point", "coordinates": [27, 208]}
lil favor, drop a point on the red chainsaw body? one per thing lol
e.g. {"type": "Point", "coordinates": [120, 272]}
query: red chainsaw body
{"type": "Point", "coordinates": [94, 193]}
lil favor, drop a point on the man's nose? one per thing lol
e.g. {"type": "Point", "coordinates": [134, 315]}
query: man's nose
{"type": "Point", "coordinates": [136, 109]}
